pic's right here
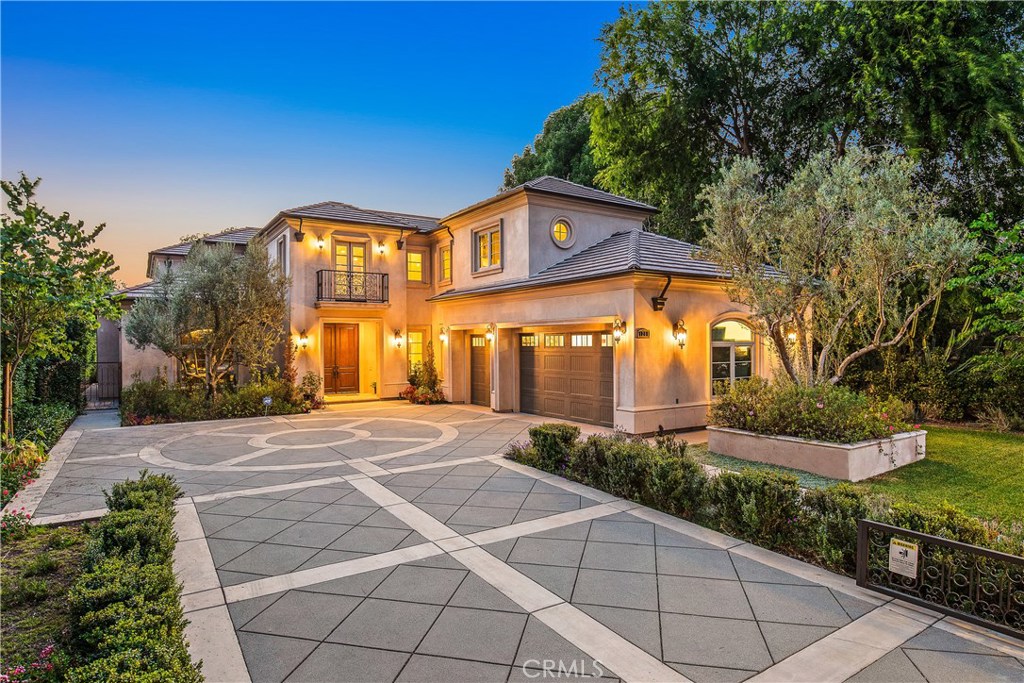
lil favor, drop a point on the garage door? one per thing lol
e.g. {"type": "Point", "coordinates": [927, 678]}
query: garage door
{"type": "Point", "coordinates": [479, 370]}
{"type": "Point", "coordinates": [567, 375]}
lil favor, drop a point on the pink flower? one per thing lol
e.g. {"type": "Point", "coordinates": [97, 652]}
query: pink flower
{"type": "Point", "coordinates": [885, 415]}
{"type": "Point", "coordinates": [821, 404]}
{"type": "Point", "coordinates": [917, 426]}
{"type": "Point", "coordinates": [750, 412]}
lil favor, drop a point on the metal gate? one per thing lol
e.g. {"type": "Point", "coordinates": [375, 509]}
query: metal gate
{"type": "Point", "coordinates": [102, 385]}
{"type": "Point", "coordinates": [978, 585]}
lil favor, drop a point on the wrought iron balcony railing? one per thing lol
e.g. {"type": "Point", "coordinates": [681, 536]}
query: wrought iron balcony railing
{"type": "Point", "coordinates": [351, 285]}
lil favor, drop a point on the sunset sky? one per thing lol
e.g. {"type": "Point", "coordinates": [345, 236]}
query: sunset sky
{"type": "Point", "coordinates": [163, 120]}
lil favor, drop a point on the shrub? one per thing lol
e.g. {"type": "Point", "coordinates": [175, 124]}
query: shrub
{"type": "Point", "coordinates": [155, 401]}
{"type": "Point", "coordinates": [824, 412]}
{"type": "Point", "coordinates": [831, 518]}
{"type": "Point", "coordinates": [759, 506]}
{"type": "Point", "coordinates": [149, 490]}
{"type": "Point", "coordinates": [424, 382]}
{"type": "Point", "coordinates": [310, 389]}
{"type": "Point", "coordinates": [554, 442]}
{"type": "Point", "coordinates": [21, 460]}
{"type": "Point", "coordinates": [43, 422]}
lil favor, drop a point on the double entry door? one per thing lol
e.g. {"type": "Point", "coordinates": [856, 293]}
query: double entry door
{"type": "Point", "coordinates": [341, 358]}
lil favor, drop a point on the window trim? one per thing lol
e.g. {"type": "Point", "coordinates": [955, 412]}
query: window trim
{"type": "Point", "coordinates": [569, 241]}
{"type": "Point", "coordinates": [424, 265]}
{"type": "Point", "coordinates": [425, 331]}
{"type": "Point", "coordinates": [447, 246]}
{"type": "Point", "coordinates": [731, 345]}
{"type": "Point", "coordinates": [489, 230]}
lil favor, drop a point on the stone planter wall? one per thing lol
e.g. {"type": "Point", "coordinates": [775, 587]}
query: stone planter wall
{"type": "Point", "coordinates": [852, 462]}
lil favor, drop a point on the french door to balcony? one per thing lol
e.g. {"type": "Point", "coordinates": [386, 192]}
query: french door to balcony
{"type": "Point", "coordinates": [350, 270]}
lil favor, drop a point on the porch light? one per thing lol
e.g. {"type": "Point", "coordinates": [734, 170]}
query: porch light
{"type": "Point", "coordinates": [490, 332]}
{"type": "Point", "coordinates": [380, 247]}
{"type": "Point", "coordinates": [320, 243]}
{"type": "Point", "coordinates": [679, 333]}
{"type": "Point", "coordinates": [398, 339]}
{"type": "Point", "coordinates": [303, 340]}
{"type": "Point", "coordinates": [618, 329]}
{"type": "Point", "coordinates": [443, 335]}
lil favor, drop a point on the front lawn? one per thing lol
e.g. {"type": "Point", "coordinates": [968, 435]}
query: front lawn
{"type": "Point", "coordinates": [980, 472]}
{"type": "Point", "coordinates": [37, 571]}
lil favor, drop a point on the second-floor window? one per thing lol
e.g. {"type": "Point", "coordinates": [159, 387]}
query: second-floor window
{"type": "Point", "coordinates": [282, 256]}
{"type": "Point", "coordinates": [488, 249]}
{"type": "Point", "coordinates": [445, 258]}
{"type": "Point", "coordinates": [414, 266]}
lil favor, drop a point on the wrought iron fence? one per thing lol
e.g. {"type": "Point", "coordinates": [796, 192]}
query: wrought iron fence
{"type": "Point", "coordinates": [102, 384]}
{"type": "Point", "coordinates": [351, 285]}
{"type": "Point", "coordinates": [978, 585]}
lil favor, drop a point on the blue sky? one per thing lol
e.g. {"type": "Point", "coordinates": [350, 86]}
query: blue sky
{"type": "Point", "coordinates": [168, 119]}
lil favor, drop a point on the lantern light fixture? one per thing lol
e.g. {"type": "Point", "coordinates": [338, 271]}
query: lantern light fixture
{"type": "Point", "coordinates": [443, 335]}
{"type": "Point", "coordinates": [490, 332]}
{"type": "Point", "coordinates": [679, 333]}
{"type": "Point", "coordinates": [380, 247]}
{"type": "Point", "coordinates": [398, 338]}
{"type": "Point", "coordinates": [320, 243]}
{"type": "Point", "coordinates": [299, 235]}
{"type": "Point", "coordinates": [303, 340]}
{"type": "Point", "coordinates": [618, 330]}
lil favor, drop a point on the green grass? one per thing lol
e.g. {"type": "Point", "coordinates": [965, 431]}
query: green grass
{"type": "Point", "coordinates": [37, 571]}
{"type": "Point", "coordinates": [980, 472]}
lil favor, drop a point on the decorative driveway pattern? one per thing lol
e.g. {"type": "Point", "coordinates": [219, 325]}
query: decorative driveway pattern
{"type": "Point", "coordinates": [392, 542]}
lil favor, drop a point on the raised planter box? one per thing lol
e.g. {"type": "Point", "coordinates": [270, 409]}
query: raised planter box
{"type": "Point", "coordinates": [849, 461]}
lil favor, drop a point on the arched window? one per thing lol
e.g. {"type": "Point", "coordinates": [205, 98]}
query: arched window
{"type": "Point", "coordinates": [732, 354]}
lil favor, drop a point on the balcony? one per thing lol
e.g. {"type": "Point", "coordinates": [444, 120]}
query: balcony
{"type": "Point", "coordinates": [351, 286]}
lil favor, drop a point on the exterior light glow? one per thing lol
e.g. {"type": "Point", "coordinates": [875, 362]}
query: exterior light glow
{"type": "Point", "coordinates": [443, 335]}
{"type": "Point", "coordinates": [791, 336]}
{"type": "Point", "coordinates": [618, 330]}
{"type": "Point", "coordinates": [380, 247]}
{"type": "Point", "coordinates": [320, 243]}
{"type": "Point", "coordinates": [490, 332]}
{"type": "Point", "coordinates": [398, 339]}
{"type": "Point", "coordinates": [679, 333]}
{"type": "Point", "coordinates": [303, 340]}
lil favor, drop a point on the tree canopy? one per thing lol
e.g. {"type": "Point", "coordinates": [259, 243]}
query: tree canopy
{"type": "Point", "coordinates": [214, 309]}
{"type": "Point", "coordinates": [53, 278]}
{"type": "Point", "coordinates": [689, 86]}
{"type": "Point", "coordinates": [562, 149]}
{"type": "Point", "coordinates": [838, 262]}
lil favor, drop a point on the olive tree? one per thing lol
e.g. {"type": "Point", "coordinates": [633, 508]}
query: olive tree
{"type": "Point", "coordinates": [216, 308]}
{"type": "Point", "coordinates": [838, 262]}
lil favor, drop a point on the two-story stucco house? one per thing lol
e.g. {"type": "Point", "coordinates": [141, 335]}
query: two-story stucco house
{"type": "Point", "coordinates": [549, 298]}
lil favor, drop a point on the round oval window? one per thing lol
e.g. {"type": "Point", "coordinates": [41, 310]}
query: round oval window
{"type": "Point", "coordinates": [561, 231]}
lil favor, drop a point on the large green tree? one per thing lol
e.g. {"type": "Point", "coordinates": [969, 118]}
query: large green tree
{"type": "Point", "coordinates": [562, 149]}
{"type": "Point", "coordinates": [689, 86]}
{"type": "Point", "coordinates": [856, 254]}
{"type": "Point", "coordinates": [53, 278]}
{"type": "Point", "coordinates": [215, 309]}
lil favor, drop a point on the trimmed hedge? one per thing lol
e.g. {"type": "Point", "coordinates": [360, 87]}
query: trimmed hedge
{"type": "Point", "coordinates": [154, 401]}
{"type": "Point", "coordinates": [765, 508]}
{"type": "Point", "coordinates": [126, 618]}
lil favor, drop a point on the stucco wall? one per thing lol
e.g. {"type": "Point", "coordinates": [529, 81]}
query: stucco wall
{"type": "Point", "coordinates": [590, 224]}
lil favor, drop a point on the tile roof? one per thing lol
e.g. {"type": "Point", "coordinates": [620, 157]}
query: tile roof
{"type": "Point", "coordinates": [629, 251]}
{"type": "Point", "coordinates": [557, 186]}
{"type": "Point", "coordinates": [339, 211]}
{"type": "Point", "coordinates": [141, 291]}
{"type": "Point", "coordinates": [233, 236]}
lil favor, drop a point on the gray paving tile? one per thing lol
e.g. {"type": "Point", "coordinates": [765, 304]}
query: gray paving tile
{"type": "Point", "coordinates": [547, 551]}
{"type": "Point", "coordinates": [558, 580]}
{"type": "Point", "coordinates": [616, 589]}
{"type": "Point", "coordinates": [421, 584]}
{"type": "Point", "coordinates": [483, 517]}
{"type": "Point", "coordinates": [519, 484]}
{"type": "Point", "coordinates": [795, 604]}
{"type": "Point", "coordinates": [444, 496]}
{"type": "Point", "coordinates": [349, 664]}
{"type": "Point", "coordinates": [452, 481]}
{"type": "Point", "coordinates": [751, 570]}
{"type": "Point", "coordinates": [252, 529]}
{"type": "Point", "coordinates": [417, 479]}
{"type": "Point", "coordinates": [854, 607]}
{"type": "Point", "coordinates": [894, 666]}
{"type": "Point", "coordinates": [223, 550]}
{"type": "Point", "coordinates": [571, 532]}
{"type": "Point", "coordinates": [370, 540]}
{"type": "Point", "coordinates": [711, 641]}
{"type": "Point", "coordinates": [620, 556]}
{"type": "Point", "coordinates": [438, 511]}
{"type": "Point", "coordinates": [540, 643]}
{"type": "Point", "coordinates": [786, 639]}
{"type": "Point", "coordinates": [425, 669]}
{"type": "Point", "coordinates": [270, 560]}
{"type": "Point", "coordinates": [303, 615]}
{"type": "Point", "coordinates": [622, 532]}
{"type": "Point", "coordinates": [359, 585]}
{"type": "Point", "coordinates": [698, 562]}
{"type": "Point", "coordinates": [937, 639]}
{"type": "Point", "coordinates": [310, 534]}
{"type": "Point", "coordinates": [476, 593]}
{"type": "Point", "coordinates": [227, 578]}
{"type": "Point", "coordinates": [330, 557]}
{"type": "Point", "coordinates": [214, 523]}
{"type": "Point", "coordinates": [708, 597]}
{"type": "Point", "coordinates": [270, 658]}
{"type": "Point", "coordinates": [528, 515]}
{"type": "Point", "coordinates": [497, 499]}
{"type": "Point", "coordinates": [501, 549]}
{"type": "Point", "coordinates": [441, 561]}
{"type": "Point", "coordinates": [712, 674]}
{"type": "Point", "coordinates": [318, 494]}
{"type": "Point", "coordinates": [554, 502]}
{"type": "Point", "coordinates": [242, 506]}
{"type": "Point", "coordinates": [407, 492]}
{"type": "Point", "coordinates": [242, 612]}
{"type": "Point", "coordinates": [289, 509]}
{"type": "Point", "coordinates": [943, 667]}
{"type": "Point", "coordinates": [386, 624]}
{"type": "Point", "coordinates": [639, 627]}
{"type": "Point", "coordinates": [475, 634]}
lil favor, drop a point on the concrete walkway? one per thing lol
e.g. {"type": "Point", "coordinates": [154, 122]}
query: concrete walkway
{"type": "Point", "coordinates": [392, 542]}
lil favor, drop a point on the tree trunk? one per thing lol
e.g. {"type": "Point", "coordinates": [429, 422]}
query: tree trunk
{"type": "Point", "coordinates": [8, 400]}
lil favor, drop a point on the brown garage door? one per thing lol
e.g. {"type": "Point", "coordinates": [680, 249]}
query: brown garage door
{"type": "Point", "coordinates": [568, 375]}
{"type": "Point", "coordinates": [479, 370]}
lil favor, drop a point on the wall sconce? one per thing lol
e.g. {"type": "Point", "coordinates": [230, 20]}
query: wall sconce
{"type": "Point", "coordinates": [679, 333]}
{"type": "Point", "coordinates": [490, 332]}
{"type": "Point", "coordinates": [380, 247]}
{"type": "Point", "coordinates": [303, 340]}
{"type": "Point", "coordinates": [618, 330]}
{"type": "Point", "coordinates": [443, 335]}
{"type": "Point", "coordinates": [398, 339]}
{"type": "Point", "coordinates": [320, 243]}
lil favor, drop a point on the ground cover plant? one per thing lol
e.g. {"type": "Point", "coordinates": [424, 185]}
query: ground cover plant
{"type": "Point", "coordinates": [762, 506]}
{"type": "Point", "coordinates": [38, 565]}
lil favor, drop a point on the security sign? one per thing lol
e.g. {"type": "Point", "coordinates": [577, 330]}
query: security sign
{"type": "Point", "coordinates": [903, 558]}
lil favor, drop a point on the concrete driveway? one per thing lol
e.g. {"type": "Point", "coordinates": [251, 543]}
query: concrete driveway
{"type": "Point", "coordinates": [382, 542]}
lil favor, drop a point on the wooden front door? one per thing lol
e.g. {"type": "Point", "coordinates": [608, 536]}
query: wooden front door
{"type": "Point", "coordinates": [479, 370]}
{"type": "Point", "coordinates": [341, 357]}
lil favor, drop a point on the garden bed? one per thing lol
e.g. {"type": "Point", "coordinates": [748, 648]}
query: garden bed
{"type": "Point", "coordinates": [848, 462]}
